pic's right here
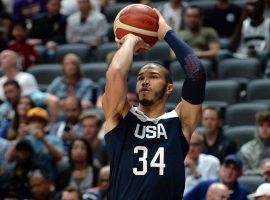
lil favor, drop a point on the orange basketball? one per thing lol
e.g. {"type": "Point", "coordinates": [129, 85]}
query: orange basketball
{"type": "Point", "coordinates": [138, 19]}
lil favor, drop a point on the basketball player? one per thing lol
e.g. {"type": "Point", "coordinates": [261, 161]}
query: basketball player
{"type": "Point", "coordinates": [147, 146]}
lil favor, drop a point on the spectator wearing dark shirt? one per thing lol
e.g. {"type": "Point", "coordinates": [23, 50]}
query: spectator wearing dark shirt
{"type": "Point", "coordinates": [27, 53]}
{"type": "Point", "coordinates": [215, 142]}
{"type": "Point", "coordinates": [223, 17]}
{"type": "Point", "coordinates": [230, 171]}
{"type": "Point", "coordinates": [49, 28]}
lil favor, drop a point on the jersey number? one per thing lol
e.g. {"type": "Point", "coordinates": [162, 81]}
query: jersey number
{"type": "Point", "coordinates": [154, 162]}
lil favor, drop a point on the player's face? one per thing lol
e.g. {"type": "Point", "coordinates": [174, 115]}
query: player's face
{"type": "Point", "coordinates": [229, 173]}
{"type": "Point", "coordinates": [210, 121]}
{"type": "Point", "coordinates": [264, 131]}
{"type": "Point", "coordinates": [151, 86]}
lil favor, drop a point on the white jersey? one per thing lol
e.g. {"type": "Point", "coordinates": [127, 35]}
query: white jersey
{"type": "Point", "coordinates": [255, 37]}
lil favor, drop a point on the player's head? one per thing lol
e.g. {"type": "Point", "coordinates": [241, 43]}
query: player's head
{"type": "Point", "coordinates": [154, 84]}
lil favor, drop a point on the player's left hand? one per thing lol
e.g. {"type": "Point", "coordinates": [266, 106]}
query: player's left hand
{"type": "Point", "coordinates": [163, 27]}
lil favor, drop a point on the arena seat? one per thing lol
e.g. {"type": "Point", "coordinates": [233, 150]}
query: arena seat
{"type": "Point", "coordinates": [42, 53]}
{"type": "Point", "coordinates": [243, 113]}
{"type": "Point", "coordinates": [103, 50]}
{"type": "Point", "coordinates": [45, 74]}
{"type": "Point", "coordinates": [81, 50]}
{"type": "Point", "coordinates": [252, 182]}
{"type": "Point", "coordinates": [175, 96]}
{"type": "Point", "coordinates": [95, 71]}
{"type": "Point", "coordinates": [159, 52]}
{"type": "Point", "coordinates": [112, 10]}
{"type": "Point", "coordinates": [240, 69]}
{"type": "Point", "coordinates": [240, 134]}
{"type": "Point", "coordinates": [259, 90]}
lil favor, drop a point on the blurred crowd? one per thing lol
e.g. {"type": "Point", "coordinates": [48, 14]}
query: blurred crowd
{"type": "Point", "coordinates": [51, 138]}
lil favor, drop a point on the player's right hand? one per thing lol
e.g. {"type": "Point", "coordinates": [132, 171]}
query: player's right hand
{"type": "Point", "coordinates": [163, 27]}
{"type": "Point", "coordinates": [134, 41]}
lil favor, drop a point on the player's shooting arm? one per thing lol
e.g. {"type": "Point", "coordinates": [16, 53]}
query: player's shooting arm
{"type": "Point", "coordinates": [193, 89]}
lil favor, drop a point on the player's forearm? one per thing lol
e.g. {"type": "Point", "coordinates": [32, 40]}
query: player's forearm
{"type": "Point", "coordinates": [193, 90]}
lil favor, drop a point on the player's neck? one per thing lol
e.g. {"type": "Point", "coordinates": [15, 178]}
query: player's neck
{"type": "Point", "coordinates": [153, 111]}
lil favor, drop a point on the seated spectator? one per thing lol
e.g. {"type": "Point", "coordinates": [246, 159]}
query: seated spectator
{"type": "Point", "coordinates": [253, 152]}
{"type": "Point", "coordinates": [69, 129]}
{"type": "Point", "coordinates": [25, 10]}
{"type": "Point", "coordinates": [69, 7]}
{"type": "Point", "coordinates": [86, 26]}
{"type": "Point", "coordinates": [41, 186]}
{"type": "Point", "coordinates": [204, 41]}
{"type": "Point", "coordinates": [215, 142]}
{"type": "Point", "coordinates": [12, 93]}
{"type": "Point", "coordinates": [265, 169]}
{"type": "Point", "coordinates": [71, 193]}
{"type": "Point", "coordinates": [101, 191]}
{"type": "Point", "coordinates": [218, 191]}
{"type": "Point", "coordinates": [26, 52]}
{"type": "Point", "coordinates": [7, 24]}
{"type": "Point", "coordinates": [81, 173]}
{"type": "Point", "coordinates": [48, 148]}
{"type": "Point", "coordinates": [223, 17]}
{"type": "Point", "coordinates": [19, 122]}
{"type": "Point", "coordinates": [16, 180]}
{"type": "Point", "coordinates": [199, 166]}
{"type": "Point", "coordinates": [49, 29]}
{"type": "Point", "coordinates": [9, 61]}
{"type": "Point", "coordinates": [230, 171]}
{"type": "Point", "coordinates": [173, 13]}
{"type": "Point", "coordinates": [262, 192]}
{"type": "Point", "coordinates": [252, 35]}
{"type": "Point", "coordinates": [91, 124]}
{"type": "Point", "coordinates": [72, 83]}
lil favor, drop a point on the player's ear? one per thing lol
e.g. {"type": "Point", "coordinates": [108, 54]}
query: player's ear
{"type": "Point", "coordinates": [169, 88]}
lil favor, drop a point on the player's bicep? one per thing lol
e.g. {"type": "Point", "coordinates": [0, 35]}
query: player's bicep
{"type": "Point", "coordinates": [190, 116]}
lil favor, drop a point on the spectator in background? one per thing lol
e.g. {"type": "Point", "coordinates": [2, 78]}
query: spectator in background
{"type": "Point", "coordinates": [253, 152]}
{"type": "Point", "coordinates": [12, 93]}
{"type": "Point", "coordinates": [81, 173]}
{"type": "Point", "coordinates": [223, 17]}
{"type": "Point", "coordinates": [91, 124]}
{"type": "Point", "coordinates": [252, 35]}
{"type": "Point", "coordinates": [173, 13]}
{"type": "Point", "coordinates": [69, 7]}
{"type": "Point", "coordinates": [69, 129]}
{"type": "Point", "coordinates": [6, 23]}
{"type": "Point", "coordinates": [49, 29]}
{"type": "Point", "coordinates": [87, 26]}
{"type": "Point", "coordinates": [16, 179]}
{"type": "Point", "coordinates": [215, 142]}
{"type": "Point", "coordinates": [101, 191]}
{"type": "Point", "coordinates": [203, 40]}
{"type": "Point", "coordinates": [26, 51]}
{"type": "Point", "coordinates": [41, 186]}
{"type": "Point", "coordinates": [72, 82]}
{"type": "Point", "coordinates": [48, 148]}
{"type": "Point", "coordinates": [71, 193]}
{"type": "Point", "coordinates": [19, 122]}
{"type": "Point", "coordinates": [230, 171]}
{"type": "Point", "coordinates": [218, 191]}
{"type": "Point", "coordinates": [199, 166]}
{"type": "Point", "coordinates": [25, 10]}
{"type": "Point", "coordinates": [262, 192]}
{"type": "Point", "coordinates": [9, 61]}
{"type": "Point", "coordinates": [265, 169]}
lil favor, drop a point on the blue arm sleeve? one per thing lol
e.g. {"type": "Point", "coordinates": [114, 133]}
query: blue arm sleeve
{"type": "Point", "coordinates": [193, 90]}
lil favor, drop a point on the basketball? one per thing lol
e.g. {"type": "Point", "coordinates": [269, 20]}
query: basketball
{"type": "Point", "coordinates": [138, 19]}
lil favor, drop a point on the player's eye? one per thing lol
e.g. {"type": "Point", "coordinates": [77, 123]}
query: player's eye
{"type": "Point", "coordinates": [140, 78]}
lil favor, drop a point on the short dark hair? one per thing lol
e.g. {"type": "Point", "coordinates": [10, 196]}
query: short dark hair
{"type": "Point", "coordinates": [197, 8]}
{"type": "Point", "coordinates": [72, 189]}
{"type": "Point", "coordinates": [262, 117]}
{"type": "Point", "coordinates": [24, 146]}
{"type": "Point", "coordinates": [213, 108]}
{"type": "Point", "coordinates": [12, 82]}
